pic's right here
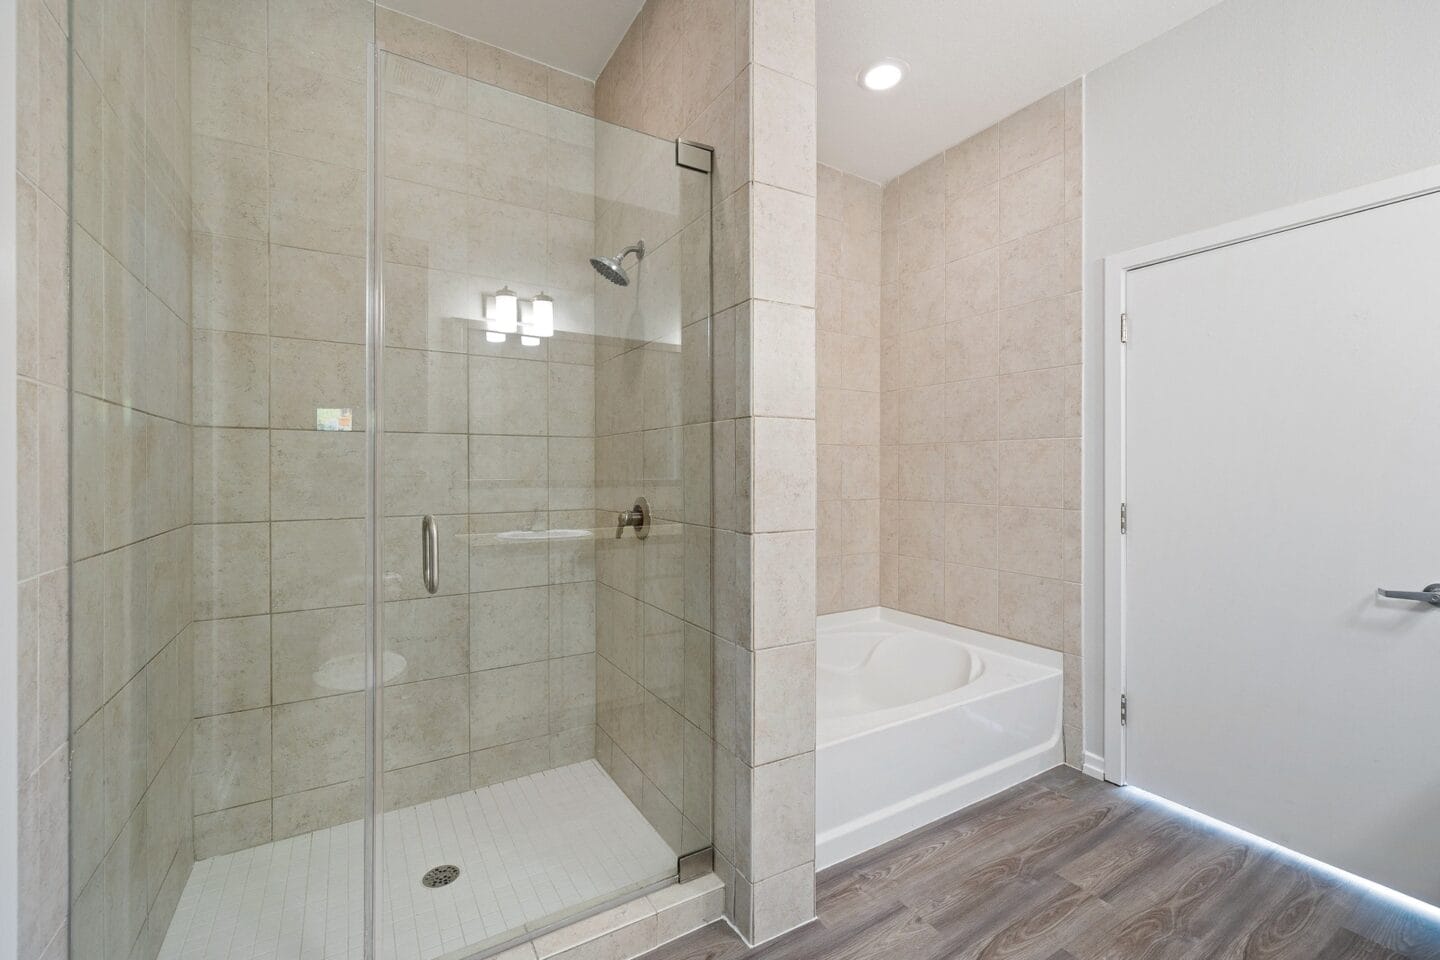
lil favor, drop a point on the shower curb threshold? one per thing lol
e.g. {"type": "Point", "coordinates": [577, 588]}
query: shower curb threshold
{"type": "Point", "coordinates": [631, 929]}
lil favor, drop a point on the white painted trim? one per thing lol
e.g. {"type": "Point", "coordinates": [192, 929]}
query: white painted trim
{"type": "Point", "coordinates": [1093, 765]}
{"type": "Point", "coordinates": [1117, 267]}
{"type": "Point", "coordinates": [9, 526]}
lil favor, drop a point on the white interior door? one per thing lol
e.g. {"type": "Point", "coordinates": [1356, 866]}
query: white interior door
{"type": "Point", "coordinates": [1282, 461]}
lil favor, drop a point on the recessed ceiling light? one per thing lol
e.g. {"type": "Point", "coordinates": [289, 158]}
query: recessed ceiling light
{"type": "Point", "coordinates": [883, 74]}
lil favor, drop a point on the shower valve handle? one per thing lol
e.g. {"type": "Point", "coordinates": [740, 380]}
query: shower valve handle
{"type": "Point", "coordinates": [637, 516]}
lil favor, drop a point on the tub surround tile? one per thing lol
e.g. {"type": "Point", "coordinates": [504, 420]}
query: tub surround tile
{"type": "Point", "coordinates": [979, 426]}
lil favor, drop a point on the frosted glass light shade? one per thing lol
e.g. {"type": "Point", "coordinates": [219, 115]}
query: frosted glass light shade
{"type": "Point", "coordinates": [506, 318]}
{"type": "Point", "coordinates": [542, 316]}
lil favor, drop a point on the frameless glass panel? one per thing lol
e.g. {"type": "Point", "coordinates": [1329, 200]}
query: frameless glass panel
{"type": "Point", "coordinates": [546, 709]}
{"type": "Point", "coordinates": [218, 168]}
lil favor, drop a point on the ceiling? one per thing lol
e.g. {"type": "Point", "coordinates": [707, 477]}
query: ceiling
{"type": "Point", "coordinates": [972, 62]}
{"type": "Point", "coordinates": [576, 36]}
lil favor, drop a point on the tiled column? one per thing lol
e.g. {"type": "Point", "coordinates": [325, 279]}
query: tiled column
{"type": "Point", "coordinates": [775, 773]}
{"type": "Point", "coordinates": [747, 87]}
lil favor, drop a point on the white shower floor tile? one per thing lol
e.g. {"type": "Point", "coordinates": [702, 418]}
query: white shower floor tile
{"type": "Point", "coordinates": [530, 851]}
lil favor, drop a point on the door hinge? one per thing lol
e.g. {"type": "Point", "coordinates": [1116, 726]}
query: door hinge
{"type": "Point", "coordinates": [1124, 328]}
{"type": "Point", "coordinates": [1124, 517]}
{"type": "Point", "coordinates": [1124, 710]}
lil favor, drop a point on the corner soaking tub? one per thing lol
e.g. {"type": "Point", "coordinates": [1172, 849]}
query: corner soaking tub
{"type": "Point", "coordinates": [917, 719]}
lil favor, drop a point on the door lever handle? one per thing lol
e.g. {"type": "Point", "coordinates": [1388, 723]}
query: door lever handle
{"type": "Point", "coordinates": [1431, 594]}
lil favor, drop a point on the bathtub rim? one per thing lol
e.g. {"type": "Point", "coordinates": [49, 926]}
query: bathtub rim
{"type": "Point", "coordinates": [1018, 649]}
{"type": "Point", "coordinates": [1037, 664]}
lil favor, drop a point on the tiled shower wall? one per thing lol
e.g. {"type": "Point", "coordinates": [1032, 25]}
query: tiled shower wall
{"type": "Point", "coordinates": [980, 415]}
{"type": "Point", "coordinates": [278, 147]}
{"type": "Point", "coordinates": [740, 75]}
{"type": "Point", "coordinates": [41, 404]}
{"type": "Point", "coordinates": [131, 534]}
{"type": "Point", "coordinates": [492, 677]}
{"type": "Point", "coordinates": [847, 371]}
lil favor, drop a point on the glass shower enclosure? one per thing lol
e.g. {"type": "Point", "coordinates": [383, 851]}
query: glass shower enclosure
{"type": "Point", "coordinates": [390, 490]}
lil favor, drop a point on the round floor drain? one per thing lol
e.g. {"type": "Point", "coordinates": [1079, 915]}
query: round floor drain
{"type": "Point", "coordinates": [440, 876]}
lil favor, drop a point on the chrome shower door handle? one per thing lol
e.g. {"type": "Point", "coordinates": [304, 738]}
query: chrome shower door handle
{"type": "Point", "coordinates": [430, 553]}
{"type": "Point", "coordinates": [1431, 594]}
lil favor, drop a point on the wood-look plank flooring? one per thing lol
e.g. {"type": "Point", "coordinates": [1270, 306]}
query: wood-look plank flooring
{"type": "Point", "coordinates": [1064, 867]}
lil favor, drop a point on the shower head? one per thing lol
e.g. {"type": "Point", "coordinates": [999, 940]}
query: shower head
{"type": "Point", "coordinates": [610, 268]}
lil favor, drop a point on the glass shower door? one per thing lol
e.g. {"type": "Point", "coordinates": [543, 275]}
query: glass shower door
{"type": "Point", "coordinates": [546, 700]}
{"type": "Point", "coordinates": [218, 561]}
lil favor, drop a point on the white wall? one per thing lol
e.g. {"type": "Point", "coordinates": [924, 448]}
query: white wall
{"type": "Point", "coordinates": [1253, 105]}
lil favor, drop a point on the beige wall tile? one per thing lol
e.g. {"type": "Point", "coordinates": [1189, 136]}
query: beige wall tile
{"type": "Point", "coordinates": [1032, 472]}
{"type": "Point", "coordinates": [316, 296]}
{"type": "Point", "coordinates": [1041, 403]}
{"type": "Point", "coordinates": [315, 475]}
{"type": "Point", "coordinates": [782, 821]}
{"type": "Point", "coordinates": [232, 569]}
{"type": "Point", "coordinates": [232, 191]}
{"type": "Point", "coordinates": [425, 473]}
{"type": "Point", "coordinates": [232, 760]}
{"type": "Point", "coordinates": [316, 115]}
{"type": "Point", "coordinates": [783, 117]}
{"type": "Point", "coordinates": [421, 41]}
{"type": "Point", "coordinates": [237, 828]}
{"type": "Point", "coordinates": [316, 205]}
{"type": "Point", "coordinates": [782, 902]}
{"type": "Point", "coordinates": [508, 761]}
{"type": "Point", "coordinates": [510, 627]}
{"type": "Point", "coordinates": [1032, 199]}
{"type": "Point", "coordinates": [508, 396]}
{"type": "Point", "coordinates": [231, 379]}
{"type": "Point", "coordinates": [230, 280]}
{"type": "Point", "coordinates": [1039, 334]}
{"type": "Point", "coordinates": [1033, 134]}
{"type": "Point", "coordinates": [784, 474]}
{"type": "Point", "coordinates": [316, 809]}
{"type": "Point", "coordinates": [317, 653]}
{"type": "Point", "coordinates": [228, 90]}
{"type": "Point", "coordinates": [972, 163]}
{"type": "Point", "coordinates": [1042, 264]}
{"type": "Point", "coordinates": [330, 37]}
{"type": "Point", "coordinates": [783, 235]}
{"type": "Point", "coordinates": [1031, 609]}
{"type": "Point", "coordinates": [317, 563]}
{"type": "Point", "coordinates": [318, 742]}
{"type": "Point", "coordinates": [232, 665]}
{"type": "Point", "coordinates": [310, 374]}
{"type": "Point", "coordinates": [971, 535]}
{"type": "Point", "coordinates": [509, 704]}
{"type": "Point", "coordinates": [784, 711]}
{"type": "Point", "coordinates": [972, 597]}
{"type": "Point", "coordinates": [784, 588]}
{"type": "Point", "coordinates": [420, 720]}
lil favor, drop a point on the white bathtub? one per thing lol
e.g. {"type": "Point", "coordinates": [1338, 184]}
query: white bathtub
{"type": "Point", "coordinates": [917, 719]}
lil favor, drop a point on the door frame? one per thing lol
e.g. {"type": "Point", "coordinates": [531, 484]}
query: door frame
{"type": "Point", "coordinates": [1117, 268]}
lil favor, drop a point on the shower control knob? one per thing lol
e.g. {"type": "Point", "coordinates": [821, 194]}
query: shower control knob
{"type": "Point", "coordinates": [637, 516]}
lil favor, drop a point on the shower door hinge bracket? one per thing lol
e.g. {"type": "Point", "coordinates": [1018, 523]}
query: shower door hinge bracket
{"type": "Point", "coordinates": [694, 156]}
{"type": "Point", "coordinates": [1124, 710]}
{"type": "Point", "coordinates": [1124, 328]}
{"type": "Point", "coordinates": [1124, 517]}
